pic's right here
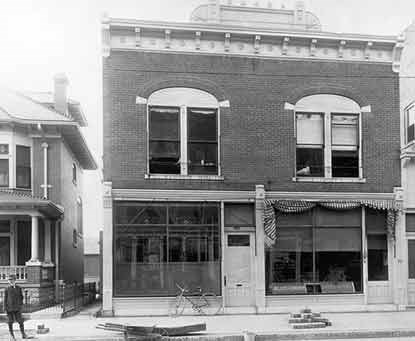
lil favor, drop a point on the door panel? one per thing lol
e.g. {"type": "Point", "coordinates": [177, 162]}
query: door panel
{"type": "Point", "coordinates": [238, 270]}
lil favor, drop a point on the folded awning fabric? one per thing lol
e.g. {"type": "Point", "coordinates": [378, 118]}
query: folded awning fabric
{"type": "Point", "coordinates": [273, 208]}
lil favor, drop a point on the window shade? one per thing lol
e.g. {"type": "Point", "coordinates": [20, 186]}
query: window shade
{"type": "Point", "coordinates": [310, 129]}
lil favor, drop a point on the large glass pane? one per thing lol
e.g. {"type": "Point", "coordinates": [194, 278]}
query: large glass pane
{"type": "Point", "coordinates": [345, 163]}
{"type": "Point", "coordinates": [164, 148]}
{"type": "Point", "coordinates": [289, 263]}
{"type": "Point", "coordinates": [203, 158]}
{"type": "Point", "coordinates": [202, 125]}
{"type": "Point", "coordinates": [377, 249]}
{"type": "Point", "coordinates": [239, 215]}
{"type": "Point", "coordinates": [310, 161]}
{"type": "Point", "coordinates": [4, 173]}
{"type": "Point", "coordinates": [202, 141]}
{"type": "Point", "coordinates": [140, 213]}
{"type": "Point", "coordinates": [153, 253]}
{"type": "Point", "coordinates": [338, 259]}
{"type": "Point", "coordinates": [164, 123]}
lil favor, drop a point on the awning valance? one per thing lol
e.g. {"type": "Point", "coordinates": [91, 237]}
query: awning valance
{"type": "Point", "coordinates": [273, 208]}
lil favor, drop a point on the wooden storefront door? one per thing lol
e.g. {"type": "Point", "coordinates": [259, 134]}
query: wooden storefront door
{"type": "Point", "coordinates": [238, 269]}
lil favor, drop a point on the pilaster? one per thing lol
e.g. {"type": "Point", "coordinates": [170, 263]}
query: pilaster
{"type": "Point", "coordinates": [107, 271]}
{"type": "Point", "coordinates": [400, 279]}
{"type": "Point", "coordinates": [260, 252]}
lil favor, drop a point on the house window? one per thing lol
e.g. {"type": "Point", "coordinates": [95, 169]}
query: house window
{"type": "Point", "coordinates": [23, 168]}
{"type": "Point", "coordinates": [79, 216]}
{"type": "Point", "coordinates": [183, 132]}
{"type": "Point", "coordinates": [4, 149]}
{"type": "Point", "coordinates": [74, 173]}
{"type": "Point", "coordinates": [327, 134]}
{"type": "Point", "coordinates": [410, 123]}
{"type": "Point", "coordinates": [4, 172]}
{"type": "Point", "coordinates": [344, 145]}
{"type": "Point", "coordinates": [310, 144]}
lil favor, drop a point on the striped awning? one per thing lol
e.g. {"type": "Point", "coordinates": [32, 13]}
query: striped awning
{"type": "Point", "coordinates": [274, 208]}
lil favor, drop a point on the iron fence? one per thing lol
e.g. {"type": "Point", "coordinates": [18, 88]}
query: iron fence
{"type": "Point", "coordinates": [74, 296]}
{"type": "Point", "coordinates": [31, 302]}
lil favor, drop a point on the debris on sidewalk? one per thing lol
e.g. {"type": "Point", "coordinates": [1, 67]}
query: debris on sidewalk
{"type": "Point", "coordinates": [41, 329]}
{"type": "Point", "coordinates": [306, 319]}
{"type": "Point", "coordinates": [154, 332]}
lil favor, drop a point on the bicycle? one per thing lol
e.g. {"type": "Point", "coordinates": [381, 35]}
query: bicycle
{"type": "Point", "coordinates": [203, 303]}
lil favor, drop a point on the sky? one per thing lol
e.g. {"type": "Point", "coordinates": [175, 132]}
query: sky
{"type": "Point", "coordinates": [39, 38]}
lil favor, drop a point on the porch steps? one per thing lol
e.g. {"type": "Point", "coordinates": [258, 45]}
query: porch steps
{"type": "Point", "coordinates": [306, 319]}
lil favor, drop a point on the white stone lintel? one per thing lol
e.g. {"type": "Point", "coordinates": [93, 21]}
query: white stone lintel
{"type": "Point", "coordinates": [140, 100]}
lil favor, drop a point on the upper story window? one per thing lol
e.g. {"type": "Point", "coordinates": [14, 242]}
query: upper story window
{"type": "Point", "coordinates": [410, 123]}
{"type": "Point", "coordinates": [183, 132]}
{"type": "Point", "coordinates": [74, 175]}
{"type": "Point", "coordinates": [23, 167]}
{"type": "Point", "coordinates": [328, 137]}
{"type": "Point", "coordinates": [4, 165]}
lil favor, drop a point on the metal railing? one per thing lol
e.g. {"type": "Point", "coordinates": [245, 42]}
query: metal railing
{"type": "Point", "coordinates": [20, 271]}
{"type": "Point", "coordinates": [74, 296]}
{"type": "Point", "coordinates": [30, 302]}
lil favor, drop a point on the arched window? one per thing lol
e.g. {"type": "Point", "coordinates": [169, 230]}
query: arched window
{"type": "Point", "coordinates": [328, 135]}
{"type": "Point", "coordinates": [183, 132]}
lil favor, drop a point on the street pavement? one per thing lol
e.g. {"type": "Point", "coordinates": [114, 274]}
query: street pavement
{"type": "Point", "coordinates": [268, 327]}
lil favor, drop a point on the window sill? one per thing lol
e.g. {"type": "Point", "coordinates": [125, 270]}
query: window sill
{"type": "Point", "coordinates": [317, 179]}
{"type": "Point", "coordinates": [183, 177]}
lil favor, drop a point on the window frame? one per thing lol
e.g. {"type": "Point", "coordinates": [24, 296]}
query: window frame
{"type": "Point", "coordinates": [183, 137]}
{"type": "Point", "coordinates": [407, 125]}
{"type": "Point", "coordinates": [25, 167]}
{"type": "Point", "coordinates": [327, 114]}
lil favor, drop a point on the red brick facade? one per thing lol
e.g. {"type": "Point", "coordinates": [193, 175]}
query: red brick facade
{"type": "Point", "coordinates": [257, 133]}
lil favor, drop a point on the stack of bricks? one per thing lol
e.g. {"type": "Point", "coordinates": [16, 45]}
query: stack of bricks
{"type": "Point", "coordinates": [306, 319]}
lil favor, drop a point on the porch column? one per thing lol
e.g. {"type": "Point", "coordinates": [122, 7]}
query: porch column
{"type": "Point", "coordinates": [107, 271]}
{"type": "Point", "coordinates": [260, 252]}
{"type": "Point", "coordinates": [34, 258]}
{"type": "Point", "coordinates": [48, 254]}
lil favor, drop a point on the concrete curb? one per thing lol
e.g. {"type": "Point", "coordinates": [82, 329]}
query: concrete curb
{"type": "Point", "coordinates": [327, 335]}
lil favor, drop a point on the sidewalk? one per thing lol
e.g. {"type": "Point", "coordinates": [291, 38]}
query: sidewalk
{"type": "Point", "coordinates": [233, 327]}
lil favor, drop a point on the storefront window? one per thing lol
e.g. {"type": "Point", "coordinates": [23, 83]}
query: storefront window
{"type": "Point", "coordinates": [159, 245]}
{"type": "Point", "coordinates": [316, 252]}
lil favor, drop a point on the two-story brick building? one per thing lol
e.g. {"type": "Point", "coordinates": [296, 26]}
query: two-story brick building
{"type": "Point", "coordinates": [252, 154]}
{"type": "Point", "coordinates": [42, 156]}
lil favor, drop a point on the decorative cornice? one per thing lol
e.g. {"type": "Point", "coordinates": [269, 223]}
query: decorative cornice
{"type": "Point", "coordinates": [119, 34]}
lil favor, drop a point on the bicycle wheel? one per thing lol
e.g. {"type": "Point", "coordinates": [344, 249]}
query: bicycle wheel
{"type": "Point", "coordinates": [176, 306]}
{"type": "Point", "coordinates": [214, 304]}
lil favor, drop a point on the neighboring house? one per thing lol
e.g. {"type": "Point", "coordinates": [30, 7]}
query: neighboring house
{"type": "Point", "coordinates": [407, 103]}
{"type": "Point", "coordinates": [42, 156]}
{"type": "Point", "coordinates": [254, 155]}
{"type": "Point", "coordinates": [92, 261]}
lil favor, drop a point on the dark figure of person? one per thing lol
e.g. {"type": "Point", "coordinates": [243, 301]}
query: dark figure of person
{"type": "Point", "coordinates": [13, 301]}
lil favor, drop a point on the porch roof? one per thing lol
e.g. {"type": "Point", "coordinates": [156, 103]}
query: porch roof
{"type": "Point", "coordinates": [12, 200]}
